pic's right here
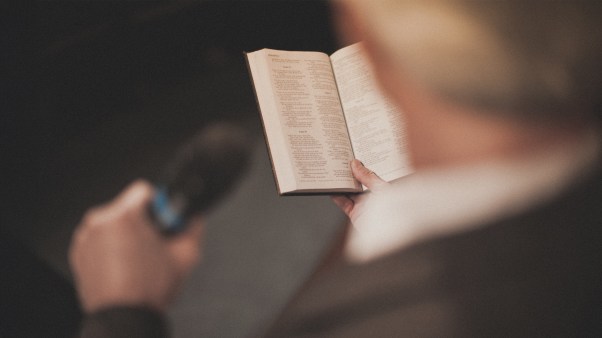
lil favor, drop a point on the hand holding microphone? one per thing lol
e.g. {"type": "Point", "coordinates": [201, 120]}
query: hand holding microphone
{"type": "Point", "coordinates": [120, 254]}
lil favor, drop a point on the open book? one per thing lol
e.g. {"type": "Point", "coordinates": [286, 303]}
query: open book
{"type": "Point", "coordinates": [319, 113]}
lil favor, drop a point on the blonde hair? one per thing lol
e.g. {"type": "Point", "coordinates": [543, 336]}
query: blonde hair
{"type": "Point", "coordinates": [528, 58]}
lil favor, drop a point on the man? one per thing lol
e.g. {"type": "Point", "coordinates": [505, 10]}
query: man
{"type": "Point", "coordinates": [496, 234]}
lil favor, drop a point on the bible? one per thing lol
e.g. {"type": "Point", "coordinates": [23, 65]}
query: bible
{"type": "Point", "coordinates": [319, 112]}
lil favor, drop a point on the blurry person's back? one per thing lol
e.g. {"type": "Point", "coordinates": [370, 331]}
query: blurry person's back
{"type": "Point", "coordinates": [498, 232]}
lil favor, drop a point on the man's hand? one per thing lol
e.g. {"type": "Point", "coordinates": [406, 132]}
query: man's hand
{"type": "Point", "coordinates": [118, 258]}
{"type": "Point", "coordinates": [352, 204]}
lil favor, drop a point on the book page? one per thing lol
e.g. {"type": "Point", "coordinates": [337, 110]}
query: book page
{"type": "Point", "coordinates": [376, 126]}
{"type": "Point", "coordinates": [303, 119]}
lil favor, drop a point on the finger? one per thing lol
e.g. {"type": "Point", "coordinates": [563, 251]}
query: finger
{"type": "Point", "coordinates": [185, 248]}
{"type": "Point", "coordinates": [132, 201]}
{"type": "Point", "coordinates": [134, 196]}
{"type": "Point", "coordinates": [365, 176]}
{"type": "Point", "coordinates": [344, 203]}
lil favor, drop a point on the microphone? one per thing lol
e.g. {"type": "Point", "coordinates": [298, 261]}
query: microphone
{"type": "Point", "coordinates": [201, 173]}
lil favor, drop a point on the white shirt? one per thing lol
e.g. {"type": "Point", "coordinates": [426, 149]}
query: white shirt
{"type": "Point", "coordinates": [435, 203]}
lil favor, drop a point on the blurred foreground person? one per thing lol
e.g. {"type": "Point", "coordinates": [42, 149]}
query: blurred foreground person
{"type": "Point", "coordinates": [497, 233]}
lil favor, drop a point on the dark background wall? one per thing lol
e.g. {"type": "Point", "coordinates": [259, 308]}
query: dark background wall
{"type": "Point", "coordinates": [99, 93]}
{"type": "Point", "coordinates": [96, 80]}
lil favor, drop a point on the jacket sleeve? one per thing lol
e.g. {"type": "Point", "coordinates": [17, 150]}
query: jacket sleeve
{"type": "Point", "coordinates": [124, 321]}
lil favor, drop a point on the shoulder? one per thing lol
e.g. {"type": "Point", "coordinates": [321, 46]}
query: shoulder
{"type": "Point", "coordinates": [530, 274]}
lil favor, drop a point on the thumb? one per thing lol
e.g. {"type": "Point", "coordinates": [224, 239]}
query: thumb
{"type": "Point", "coordinates": [365, 176]}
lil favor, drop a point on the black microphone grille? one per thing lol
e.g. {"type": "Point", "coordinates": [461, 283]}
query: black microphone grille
{"type": "Point", "coordinates": [207, 167]}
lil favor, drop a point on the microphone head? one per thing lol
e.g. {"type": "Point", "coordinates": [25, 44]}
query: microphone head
{"type": "Point", "coordinates": [203, 171]}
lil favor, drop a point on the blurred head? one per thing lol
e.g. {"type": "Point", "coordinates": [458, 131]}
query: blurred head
{"type": "Point", "coordinates": [528, 59]}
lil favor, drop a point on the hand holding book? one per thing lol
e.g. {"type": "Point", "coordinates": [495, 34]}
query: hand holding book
{"type": "Point", "coordinates": [351, 204]}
